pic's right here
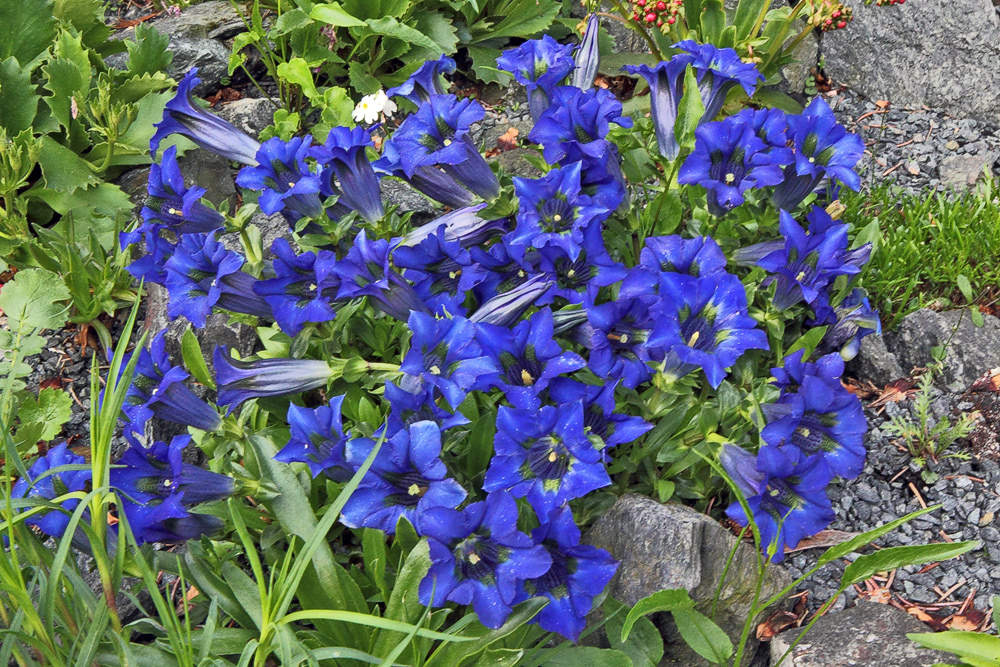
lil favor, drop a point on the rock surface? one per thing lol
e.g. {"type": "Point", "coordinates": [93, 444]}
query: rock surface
{"type": "Point", "coordinates": [673, 546]}
{"type": "Point", "coordinates": [872, 635]}
{"type": "Point", "coordinates": [196, 39]}
{"type": "Point", "coordinates": [875, 363]}
{"type": "Point", "coordinates": [971, 350]}
{"type": "Point", "coordinates": [884, 54]}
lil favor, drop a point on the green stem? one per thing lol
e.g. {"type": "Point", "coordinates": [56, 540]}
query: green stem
{"type": "Point", "coordinates": [653, 48]}
{"type": "Point", "coordinates": [816, 617]}
{"type": "Point", "coordinates": [748, 624]}
{"type": "Point", "coordinates": [780, 39]}
{"type": "Point", "coordinates": [725, 570]}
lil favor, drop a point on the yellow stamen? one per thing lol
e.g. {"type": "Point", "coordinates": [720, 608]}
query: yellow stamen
{"type": "Point", "coordinates": [571, 273]}
{"type": "Point", "coordinates": [526, 378]}
{"type": "Point", "coordinates": [804, 432]}
{"type": "Point", "coordinates": [802, 274]}
{"type": "Point", "coordinates": [168, 482]}
{"type": "Point", "coordinates": [447, 142]}
{"type": "Point", "coordinates": [730, 178]}
{"type": "Point", "coordinates": [474, 558]}
{"type": "Point", "coordinates": [291, 184]}
{"type": "Point", "coordinates": [413, 490]}
{"type": "Point", "coordinates": [812, 160]}
{"type": "Point", "coordinates": [557, 218]}
{"type": "Point", "coordinates": [312, 286]}
{"type": "Point", "coordinates": [435, 370]}
{"type": "Point", "coordinates": [454, 274]}
{"type": "Point", "coordinates": [173, 211]}
{"type": "Point", "coordinates": [694, 338]}
{"type": "Point", "coordinates": [552, 457]}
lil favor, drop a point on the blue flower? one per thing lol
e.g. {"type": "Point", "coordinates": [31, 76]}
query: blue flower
{"type": "Point", "coordinates": [588, 56]}
{"type": "Point", "coordinates": [149, 267]}
{"type": "Point", "coordinates": [437, 135]}
{"type": "Point", "coordinates": [544, 455]}
{"type": "Point", "coordinates": [345, 157]}
{"type": "Point", "coordinates": [429, 180]}
{"type": "Point", "coordinates": [479, 557]}
{"type": "Point", "coordinates": [552, 210]}
{"type": "Point", "coordinates": [53, 522]}
{"type": "Point", "coordinates": [407, 478]}
{"type": "Point", "coordinates": [578, 574]}
{"type": "Point", "coordinates": [158, 390]}
{"type": "Point", "coordinates": [503, 272]}
{"type": "Point", "coordinates": [593, 267]}
{"type": "Point", "coordinates": [172, 205]}
{"type": "Point", "coordinates": [823, 148]}
{"type": "Point", "coordinates": [539, 65]}
{"type": "Point", "coordinates": [718, 70]}
{"type": "Point", "coordinates": [407, 408]}
{"type": "Point", "coordinates": [786, 507]}
{"type": "Point", "coordinates": [618, 340]}
{"type": "Point", "coordinates": [599, 417]}
{"type": "Point", "coordinates": [771, 127]}
{"type": "Point", "coordinates": [202, 274]}
{"type": "Point", "coordinates": [318, 440]}
{"type": "Point", "coordinates": [808, 262]}
{"type": "Point", "coordinates": [285, 181]}
{"type": "Point", "coordinates": [666, 87]}
{"type": "Point", "coordinates": [819, 417]}
{"type": "Point", "coordinates": [729, 159]}
{"type": "Point", "coordinates": [680, 260]}
{"type": "Point", "coordinates": [239, 380]}
{"type": "Point", "coordinates": [851, 321]}
{"type": "Point", "coordinates": [425, 82]}
{"type": "Point", "coordinates": [507, 308]}
{"type": "Point", "coordinates": [183, 116]}
{"type": "Point", "coordinates": [575, 126]}
{"type": "Point", "coordinates": [445, 355]}
{"type": "Point", "coordinates": [528, 358]}
{"type": "Point", "coordinates": [365, 271]}
{"type": "Point", "coordinates": [704, 323]}
{"type": "Point", "coordinates": [157, 488]}
{"type": "Point", "coordinates": [443, 272]}
{"type": "Point", "coordinates": [298, 294]}
{"type": "Point", "coordinates": [463, 225]}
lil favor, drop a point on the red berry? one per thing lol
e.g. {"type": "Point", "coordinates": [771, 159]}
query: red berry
{"type": "Point", "coordinates": [635, 17]}
{"type": "Point", "coordinates": [641, 3]}
{"type": "Point", "coordinates": [836, 14]}
{"type": "Point", "coordinates": [842, 24]}
{"type": "Point", "coordinates": [660, 6]}
{"type": "Point", "coordinates": [659, 23]}
{"type": "Point", "coordinates": [651, 17]}
{"type": "Point", "coordinates": [829, 22]}
{"type": "Point", "coordinates": [671, 20]}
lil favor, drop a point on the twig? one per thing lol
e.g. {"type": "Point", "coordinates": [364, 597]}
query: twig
{"type": "Point", "coordinates": [920, 498]}
{"type": "Point", "coordinates": [891, 169]}
{"type": "Point", "coordinates": [951, 590]}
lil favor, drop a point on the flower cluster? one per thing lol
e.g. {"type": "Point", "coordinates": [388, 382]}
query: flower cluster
{"type": "Point", "coordinates": [661, 13]}
{"type": "Point", "coordinates": [528, 298]}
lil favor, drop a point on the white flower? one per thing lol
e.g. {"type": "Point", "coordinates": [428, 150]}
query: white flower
{"type": "Point", "coordinates": [371, 106]}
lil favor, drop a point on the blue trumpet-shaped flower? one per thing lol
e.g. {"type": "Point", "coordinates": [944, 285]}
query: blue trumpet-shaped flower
{"type": "Point", "coordinates": [479, 557]}
{"type": "Point", "coordinates": [507, 308]}
{"type": "Point", "coordinates": [619, 340]}
{"type": "Point", "coordinates": [666, 87]}
{"type": "Point", "coordinates": [463, 226]}
{"type": "Point", "coordinates": [443, 272]}
{"type": "Point", "coordinates": [704, 324]}
{"type": "Point", "coordinates": [819, 417]}
{"type": "Point", "coordinates": [298, 294]}
{"type": "Point", "coordinates": [445, 355]}
{"type": "Point", "coordinates": [149, 267]}
{"type": "Point", "coordinates": [851, 321]}
{"type": "Point", "coordinates": [588, 57]}
{"type": "Point", "coordinates": [285, 181]}
{"type": "Point", "coordinates": [406, 479]}
{"type": "Point", "coordinates": [158, 390]}
{"type": "Point", "coordinates": [157, 489]}
{"type": "Point", "coordinates": [544, 455]}
{"type": "Point", "coordinates": [183, 116]}
{"type": "Point", "coordinates": [675, 259]}
{"type": "Point", "coordinates": [786, 507]}
{"type": "Point", "coordinates": [407, 408]}
{"type": "Point", "coordinates": [345, 157]}
{"type": "Point", "coordinates": [771, 127]}
{"type": "Point", "coordinates": [425, 82]}
{"type": "Point", "coordinates": [539, 65]}
{"type": "Point", "coordinates": [173, 205]}
{"type": "Point", "coordinates": [578, 574]}
{"type": "Point", "coordinates": [823, 148]}
{"type": "Point", "coordinates": [53, 522]}
{"type": "Point", "coordinates": [318, 440]}
{"type": "Point", "coordinates": [528, 358]}
{"type": "Point", "coordinates": [599, 417]}
{"type": "Point", "coordinates": [719, 70]}
{"type": "Point", "coordinates": [437, 135]}
{"type": "Point", "coordinates": [429, 180]}
{"type": "Point", "coordinates": [554, 211]}
{"type": "Point", "coordinates": [574, 127]}
{"type": "Point", "coordinates": [365, 271]}
{"type": "Point", "coordinates": [239, 381]}
{"type": "Point", "coordinates": [503, 272]}
{"type": "Point", "coordinates": [592, 268]}
{"type": "Point", "coordinates": [729, 159]}
{"type": "Point", "coordinates": [202, 274]}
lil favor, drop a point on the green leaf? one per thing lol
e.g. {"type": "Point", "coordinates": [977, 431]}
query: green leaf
{"type": "Point", "coordinates": [703, 636]}
{"type": "Point", "coordinates": [361, 79]}
{"type": "Point", "coordinates": [376, 555]}
{"type": "Point", "coordinates": [770, 97]}
{"type": "Point", "coordinates": [893, 557]}
{"type": "Point", "coordinates": [867, 537]}
{"type": "Point", "coordinates": [194, 359]}
{"type": "Point", "coordinates": [64, 170]}
{"type": "Point", "coordinates": [807, 341]}
{"type": "Point", "coordinates": [713, 21]}
{"type": "Point", "coordinates": [438, 29]}
{"type": "Point", "coordinates": [747, 13]}
{"type": "Point", "coordinates": [452, 654]}
{"type": "Point", "coordinates": [18, 101]}
{"type": "Point", "coordinates": [33, 301]}
{"type": "Point", "coordinates": [644, 646]}
{"type": "Point", "coordinates": [27, 28]}
{"type": "Point", "coordinates": [149, 53]}
{"type": "Point", "coordinates": [612, 63]}
{"type": "Point", "coordinates": [390, 27]}
{"type": "Point", "coordinates": [690, 111]}
{"type": "Point", "coordinates": [333, 14]}
{"type": "Point", "coordinates": [965, 287]}
{"type": "Point", "coordinates": [967, 645]}
{"type": "Point", "coordinates": [297, 71]}
{"type": "Point", "coordinates": [66, 80]}
{"type": "Point", "coordinates": [501, 657]}
{"type": "Point", "coordinates": [587, 656]}
{"type": "Point", "coordinates": [484, 64]}
{"type": "Point", "coordinates": [404, 603]}
{"type": "Point", "coordinates": [523, 18]}
{"type": "Point", "coordinates": [50, 410]}
{"type": "Point", "coordinates": [692, 12]}
{"type": "Point", "coordinates": [667, 600]}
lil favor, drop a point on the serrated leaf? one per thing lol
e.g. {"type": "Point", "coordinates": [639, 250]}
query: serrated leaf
{"type": "Point", "coordinates": [27, 28]}
{"type": "Point", "coordinates": [667, 600]}
{"type": "Point", "coordinates": [484, 64]}
{"type": "Point", "coordinates": [149, 53]}
{"type": "Point", "coordinates": [64, 170]}
{"type": "Point", "coordinates": [33, 301]}
{"type": "Point", "coordinates": [522, 18]}
{"type": "Point", "coordinates": [390, 27]}
{"type": "Point", "coordinates": [87, 17]}
{"type": "Point", "coordinates": [50, 411]}
{"type": "Point", "coordinates": [18, 101]}
{"type": "Point", "coordinates": [439, 30]}
{"type": "Point", "coordinates": [298, 72]}
{"type": "Point", "coordinates": [713, 21]}
{"type": "Point", "coordinates": [361, 78]}
{"type": "Point", "coordinates": [703, 636]}
{"type": "Point", "coordinates": [893, 557]}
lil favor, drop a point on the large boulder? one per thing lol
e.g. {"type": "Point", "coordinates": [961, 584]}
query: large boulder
{"type": "Point", "coordinates": [970, 351]}
{"type": "Point", "coordinates": [873, 635]}
{"type": "Point", "coordinates": [672, 546]}
{"type": "Point", "coordinates": [939, 54]}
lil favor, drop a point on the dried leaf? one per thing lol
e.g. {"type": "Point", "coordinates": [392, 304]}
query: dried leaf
{"type": "Point", "coordinates": [882, 104]}
{"type": "Point", "coordinates": [920, 614]}
{"type": "Point", "coordinates": [962, 622]}
{"type": "Point", "coordinates": [775, 624]}
{"type": "Point", "coordinates": [990, 381]}
{"type": "Point", "coordinates": [822, 540]}
{"type": "Point", "coordinates": [508, 140]}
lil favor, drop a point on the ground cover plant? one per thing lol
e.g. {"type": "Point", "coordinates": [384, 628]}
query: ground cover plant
{"type": "Point", "coordinates": [401, 473]}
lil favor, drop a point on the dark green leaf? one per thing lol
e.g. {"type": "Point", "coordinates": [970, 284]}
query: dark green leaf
{"type": "Point", "coordinates": [404, 603]}
{"type": "Point", "coordinates": [587, 656]}
{"type": "Point", "coordinates": [893, 557]}
{"type": "Point", "coordinates": [703, 636]}
{"type": "Point", "coordinates": [747, 13]}
{"type": "Point", "coordinates": [149, 53]}
{"type": "Point", "coordinates": [692, 12]}
{"type": "Point", "coordinates": [713, 21]}
{"type": "Point", "coordinates": [644, 645]}
{"type": "Point", "coordinates": [770, 97]}
{"type": "Point", "coordinates": [64, 170]}
{"type": "Point", "coordinates": [195, 360]}
{"type": "Point", "coordinates": [807, 341]}
{"type": "Point", "coordinates": [690, 111]}
{"type": "Point", "coordinates": [27, 27]}
{"type": "Point", "coordinates": [390, 27]}
{"type": "Point", "coordinates": [18, 101]}
{"type": "Point", "coordinates": [668, 600]}
{"type": "Point", "coordinates": [455, 653]}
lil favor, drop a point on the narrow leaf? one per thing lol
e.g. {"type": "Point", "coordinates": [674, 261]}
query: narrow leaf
{"type": "Point", "coordinates": [893, 557]}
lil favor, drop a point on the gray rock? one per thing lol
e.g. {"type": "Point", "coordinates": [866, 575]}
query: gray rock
{"type": "Point", "coordinates": [196, 41]}
{"type": "Point", "coordinates": [515, 163]}
{"type": "Point", "coordinates": [626, 39]}
{"type": "Point", "coordinates": [212, 172]}
{"type": "Point", "coordinates": [672, 546]}
{"type": "Point", "coordinates": [962, 171]}
{"type": "Point", "coordinates": [250, 114]}
{"type": "Point", "coordinates": [796, 74]}
{"type": "Point", "coordinates": [971, 350]}
{"type": "Point", "coordinates": [869, 634]}
{"type": "Point", "coordinates": [875, 363]}
{"type": "Point", "coordinates": [883, 55]}
{"type": "Point", "coordinates": [399, 193]}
